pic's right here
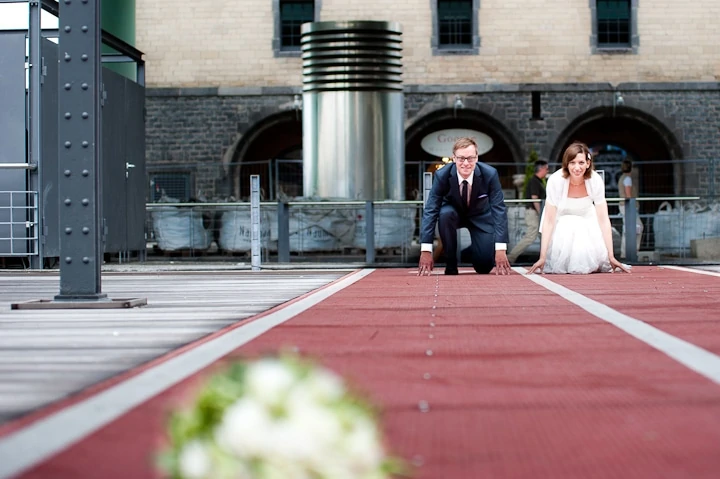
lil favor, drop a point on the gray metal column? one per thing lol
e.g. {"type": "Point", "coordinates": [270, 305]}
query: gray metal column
{"type": "Point", "coordinates": [631, 253]}
{"type": "Point", "coordinates": [79, 166]}
{"type": "Point", "coordinates": [369, 232]}
{"type": "Point", "coordinates": [283, 217]}
{"type": "Point", "coordinates": [34, 124]}
{"type": "Point", "coordinates": [353, 110]}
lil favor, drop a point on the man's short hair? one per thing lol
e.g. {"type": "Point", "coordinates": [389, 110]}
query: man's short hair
{"type": "Point", "coordinates": [539, 164]}
{"type": "Point", "coordinates": [461, 143]}
{"type": "Point", "coordinates": [626, 166]}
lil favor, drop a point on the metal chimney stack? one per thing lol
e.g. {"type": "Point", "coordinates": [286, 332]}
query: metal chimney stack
{"type": "Point", "coordinates": [353, 110]}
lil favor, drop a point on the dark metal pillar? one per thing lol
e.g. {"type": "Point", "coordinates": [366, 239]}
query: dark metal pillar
{"type": "Point", "coordinates": [34, 126]}
{"type": "Point", "coordinates": [79, 130]}
{"type": "Point", "coordinates": [631, 253]}
{"type": "Point", "coordinates": [369, 232]}
{"type": "Point", "coordinates": [283, 216]}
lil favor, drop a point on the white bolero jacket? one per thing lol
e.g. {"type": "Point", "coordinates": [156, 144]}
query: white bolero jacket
{"type": "Point", "coordinates": [557, 191]}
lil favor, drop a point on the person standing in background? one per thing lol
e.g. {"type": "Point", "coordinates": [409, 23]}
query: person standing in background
{"type": "Point", "coordinates": [628, 189]}
{"type": "Point", "coordinates": [535, 189]}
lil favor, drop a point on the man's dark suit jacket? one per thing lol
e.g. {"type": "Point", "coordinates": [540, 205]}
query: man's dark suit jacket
{"type": "Point", "coordinates": [487, 206]}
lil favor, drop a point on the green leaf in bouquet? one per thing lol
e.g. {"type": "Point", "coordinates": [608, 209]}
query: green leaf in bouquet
{"type": "Point", "coordinates": [396, 467]}
{"type": "Point", "coordinates": [221, 393]}
{"type": "Point", "coordinates": [167, 461]}
{"type": "Point", "coordinates": [184, 425]}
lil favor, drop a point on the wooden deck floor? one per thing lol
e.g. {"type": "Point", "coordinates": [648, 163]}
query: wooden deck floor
{"type": "Point", "coordinates": [46, 355]}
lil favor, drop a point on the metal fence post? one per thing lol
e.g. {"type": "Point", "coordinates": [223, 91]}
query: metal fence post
{"type": "Point", "coordinates": [283, 217]}
{"type": "Point", "coordinates": [631, 230]}
{"type": "Point", "coordinates": [369, 232]}
{"type": "Point", "coordinates": [255, 222]}
{"type": "Point", "coordinates": [427, 185]}
{"type": "Point", "coordinates": [711, 177]}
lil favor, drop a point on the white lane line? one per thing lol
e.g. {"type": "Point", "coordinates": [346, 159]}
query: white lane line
{"type": "Point", "coordinates": [698, 359]}
{"type": "Point", "coordinates": [39, 441]}
{"type": "Point", "coordinates": [691, 270]}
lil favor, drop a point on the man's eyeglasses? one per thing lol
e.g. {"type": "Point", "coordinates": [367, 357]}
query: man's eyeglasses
{"type": "Point", "coordinates": [462, 159]}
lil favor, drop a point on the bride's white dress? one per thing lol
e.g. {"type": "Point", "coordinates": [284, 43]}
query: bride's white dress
{"type": "Point", "coordinates": [577, 245]}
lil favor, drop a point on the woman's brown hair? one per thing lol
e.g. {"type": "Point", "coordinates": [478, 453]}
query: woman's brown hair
{"type": "Point", "coordinates": [571, 152]}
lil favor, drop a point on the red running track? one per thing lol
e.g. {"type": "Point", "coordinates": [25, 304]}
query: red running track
{"type": "Point", "coordinates": [519, 381]}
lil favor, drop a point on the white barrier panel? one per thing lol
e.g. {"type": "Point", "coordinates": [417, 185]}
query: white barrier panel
{"type": "Point", "coordinates": [236, 230]}
{"type": "Point", "coordinates": [318, 229]}
{"type": "Point", "coordinates": [674, 228]}
{"type": "Point", "coordinates": [179, 228]}
{"type": "Point", "coordinates": [394, 228]}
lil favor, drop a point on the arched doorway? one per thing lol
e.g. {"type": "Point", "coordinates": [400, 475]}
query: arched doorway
{"type": "Point", "coordinates": [629, 134]}
{"type": "Point", "coordinates": [626, 133]}
{"type": "Point", "coordinates": [505, 154]}
{"type": "Point", "coordinates": [272, 149]}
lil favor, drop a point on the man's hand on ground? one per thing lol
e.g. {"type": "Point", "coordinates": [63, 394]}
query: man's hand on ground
{"type": "Point", "coordinates": [502, 265]}
{"type": "Point", "coordinates": [426, 263]}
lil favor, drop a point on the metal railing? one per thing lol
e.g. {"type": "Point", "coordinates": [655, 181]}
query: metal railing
{"type": "Point", "coordinates": [19, 223]}
{"type": "Point", "coordinates": [388, 231]}
{"type": "Point", "coordinates": [283, 178]}
{"type": "Point", "coordinates": [356, 231]}
{"type": "Point", "coordinates": [18, 166]}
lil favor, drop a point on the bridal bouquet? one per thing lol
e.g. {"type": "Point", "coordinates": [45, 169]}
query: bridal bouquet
{"type": "Point", "coordinates": [277, 418]}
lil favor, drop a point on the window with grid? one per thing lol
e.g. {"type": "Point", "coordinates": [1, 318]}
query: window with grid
{"type": "Point", "coordinates": [170, 186]}
{"type": "Point", "coordinates": [455, 23]}
{"type": "Point", "coordinates": [293, 13]}
{"type": "Point", "coordinates": [613, 23]}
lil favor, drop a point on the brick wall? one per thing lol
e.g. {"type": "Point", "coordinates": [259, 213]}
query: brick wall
{"type": "Point", "coordinates": [229, 43]}
{"type": "Point", "coordinates": [194, 131]}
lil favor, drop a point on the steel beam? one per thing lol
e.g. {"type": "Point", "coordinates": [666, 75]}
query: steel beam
{"type": "Point", "coordinates": [52, 7]}
{"type": "Point", "coordinates": [34, 122]}
{"type": "Point", "coordinates": [79, 165]}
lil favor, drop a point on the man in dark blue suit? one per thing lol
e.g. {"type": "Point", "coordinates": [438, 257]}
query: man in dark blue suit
{"type": "Point", "coordinates": [466, 194]}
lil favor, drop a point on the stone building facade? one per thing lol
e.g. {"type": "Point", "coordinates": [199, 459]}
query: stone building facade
{"type": "Point", "coordinates": [224, 96]}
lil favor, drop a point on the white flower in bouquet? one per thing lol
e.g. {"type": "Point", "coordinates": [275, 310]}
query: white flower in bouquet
{"type": "Point", "coordinates": [278, 418]}
{"type": "Point", "coordinates": [238, 430]}
{"type": "Point", "coordinates": [269, 381]}
{"type": "Point", "coordinates": [362, 446]}
{"type": "Point", "coordinates": [324, 385]}
{"type": "Point", "coordinates": [194, 460]}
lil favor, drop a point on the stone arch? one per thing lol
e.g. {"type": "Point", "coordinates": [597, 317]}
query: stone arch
{"type": "Point", "coordinates": [507, 155]}
{"type": "Point", "coordinates": [276, 136]}
{"type": "Point", "coordinates": [647, 138]}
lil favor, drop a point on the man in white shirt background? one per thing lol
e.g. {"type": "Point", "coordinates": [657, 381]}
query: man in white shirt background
{"type": "Point", "coordinates": [628, 189]}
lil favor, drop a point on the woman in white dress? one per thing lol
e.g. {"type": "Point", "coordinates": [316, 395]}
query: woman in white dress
{"type": "Point", "coordinates": [575, 227]}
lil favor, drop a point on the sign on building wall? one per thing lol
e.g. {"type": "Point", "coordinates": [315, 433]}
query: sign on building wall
{"type": "Point", "coordinates": [440, 143]}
